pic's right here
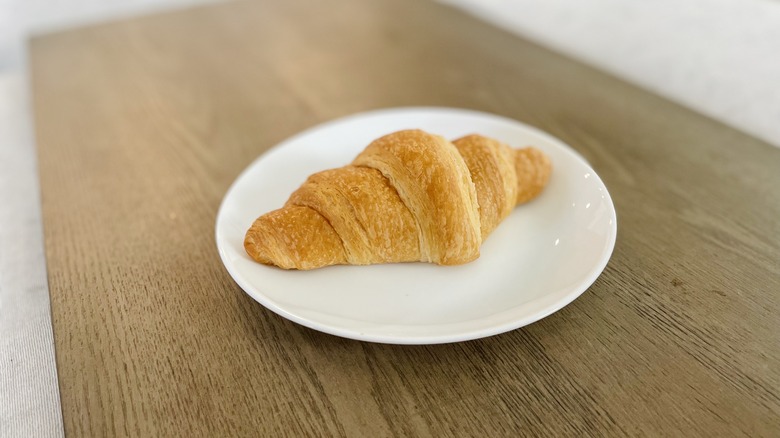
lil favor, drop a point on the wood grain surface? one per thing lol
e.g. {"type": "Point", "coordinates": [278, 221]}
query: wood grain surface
{"type": "Point", "coordinates": [143, 124]}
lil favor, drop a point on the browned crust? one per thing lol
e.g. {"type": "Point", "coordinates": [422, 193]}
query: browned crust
{"type": "Point", "coordinates": [409, 196]}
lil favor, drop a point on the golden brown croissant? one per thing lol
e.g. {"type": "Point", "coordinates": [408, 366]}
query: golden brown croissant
{"type": "Point", "coordinates": [409, 196]}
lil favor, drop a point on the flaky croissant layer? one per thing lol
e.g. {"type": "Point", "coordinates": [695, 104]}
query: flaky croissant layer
{"type": "Point", "coordinates": [409, 196]}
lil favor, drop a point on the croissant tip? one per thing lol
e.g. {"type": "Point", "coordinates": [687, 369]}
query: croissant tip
{"type": "Point", "coordinates": [250, 245]}
{"type": "Point", "coordinates": [256, 248]}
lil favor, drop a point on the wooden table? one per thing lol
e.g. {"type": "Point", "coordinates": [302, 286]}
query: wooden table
{"type": "Point", "coordinates": [143, 124]}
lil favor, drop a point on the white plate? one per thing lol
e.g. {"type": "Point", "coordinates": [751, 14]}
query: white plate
{"type": "Point", "coordinates": [542, 257]}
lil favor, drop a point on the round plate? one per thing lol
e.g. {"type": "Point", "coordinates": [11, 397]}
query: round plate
{"type": "Point", "coordinates": [542, 257]}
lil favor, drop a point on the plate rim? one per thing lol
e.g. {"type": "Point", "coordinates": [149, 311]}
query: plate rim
{"type": "Point", "coordinates": [254, 291]}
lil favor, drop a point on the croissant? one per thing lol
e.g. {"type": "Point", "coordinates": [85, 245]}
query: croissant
{"type": "Point", "coordinates": [409, 196]}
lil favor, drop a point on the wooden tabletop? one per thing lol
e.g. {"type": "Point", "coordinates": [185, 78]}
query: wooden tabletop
{"type": "Point", "coordinates": [143, 124]}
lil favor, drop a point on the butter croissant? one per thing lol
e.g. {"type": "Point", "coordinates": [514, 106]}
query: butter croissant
{"type": "Point", "coordinates": [409, 196]}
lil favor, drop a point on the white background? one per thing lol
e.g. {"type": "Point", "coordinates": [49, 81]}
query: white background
{"type": "Point", "coordinates": [719, 57]}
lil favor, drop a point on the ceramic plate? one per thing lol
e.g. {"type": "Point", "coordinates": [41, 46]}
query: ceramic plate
{"type": "Point", "coordinates": [542, 257]}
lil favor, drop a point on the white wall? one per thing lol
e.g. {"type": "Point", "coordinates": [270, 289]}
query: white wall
{"type": "Point", "coordinates": [719, 57]}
